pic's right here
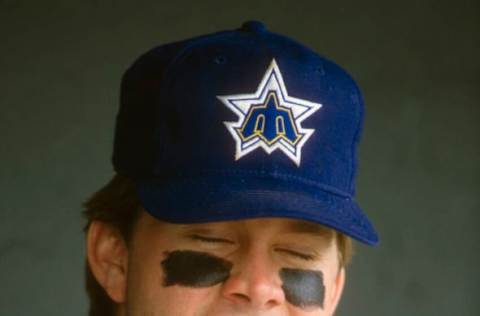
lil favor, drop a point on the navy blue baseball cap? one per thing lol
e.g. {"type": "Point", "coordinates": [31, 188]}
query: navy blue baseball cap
{"type": "Point", "coordinates": [241, 124]}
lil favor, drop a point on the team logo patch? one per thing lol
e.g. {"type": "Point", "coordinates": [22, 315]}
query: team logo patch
{"type": "Point", "coordinates": [269, 118]}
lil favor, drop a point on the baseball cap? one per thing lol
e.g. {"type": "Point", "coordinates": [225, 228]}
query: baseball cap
{"type": "Point", "coordinates": [239, 124]}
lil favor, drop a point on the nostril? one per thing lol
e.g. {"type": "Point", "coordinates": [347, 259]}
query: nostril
{"type": "Point", "coordinates": [271, 304]}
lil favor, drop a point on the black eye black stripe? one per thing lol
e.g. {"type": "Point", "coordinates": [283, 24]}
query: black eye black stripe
{"type": "Point", "coordinates": [194, 269]}
{"type": "Point", "coordinates": [302, 288]}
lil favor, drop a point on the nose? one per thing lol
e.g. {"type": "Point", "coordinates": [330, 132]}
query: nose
{"type": "Point", "coordinates": [254, 283]}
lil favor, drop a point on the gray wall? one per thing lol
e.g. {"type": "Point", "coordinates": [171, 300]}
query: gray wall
{"type": "Point", "coordinates": [416, 61]}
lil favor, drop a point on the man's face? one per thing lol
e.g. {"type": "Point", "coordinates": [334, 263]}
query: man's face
{"type": "Point", "coordinates": [268, 266]}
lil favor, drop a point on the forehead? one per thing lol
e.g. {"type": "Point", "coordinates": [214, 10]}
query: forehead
{"type": "Point", "coordinates": [268, 224]}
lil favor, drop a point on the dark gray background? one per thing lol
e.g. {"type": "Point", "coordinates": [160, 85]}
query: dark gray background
{"type": "Point", "coordinates": [416, 61]}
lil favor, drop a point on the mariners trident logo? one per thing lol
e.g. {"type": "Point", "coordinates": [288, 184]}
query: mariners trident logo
{"type": "Point", "coordinates": [269, 118]}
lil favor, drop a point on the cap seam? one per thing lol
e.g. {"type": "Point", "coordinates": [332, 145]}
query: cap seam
{"type": "Point", "coordinates": [353, 147]}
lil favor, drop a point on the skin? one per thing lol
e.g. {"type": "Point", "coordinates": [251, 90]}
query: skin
{"type": "Point", "coordinates": [263, 266]}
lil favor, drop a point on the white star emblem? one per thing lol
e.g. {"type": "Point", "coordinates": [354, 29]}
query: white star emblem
{"type": "Point", "coordinates": [283, 132]}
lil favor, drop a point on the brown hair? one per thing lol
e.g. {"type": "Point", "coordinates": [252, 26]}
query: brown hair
{"type": "Point", "coordinates": [117, 204]}
{"type": "Point", "coordinates": [345, 249]}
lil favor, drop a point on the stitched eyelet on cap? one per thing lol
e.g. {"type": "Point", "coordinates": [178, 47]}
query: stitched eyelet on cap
{"type": "Point", "coordinates": [319, 69]}
{"type": "Point", "coordinates": [220, 59]}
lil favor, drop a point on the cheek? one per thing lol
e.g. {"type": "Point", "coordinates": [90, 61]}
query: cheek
{"type": "Point", "coordinates": [330, 278]}
{"type": "Point", "coordinates": [177, 300]}
{"type": "Point", "coordinates": [149, 294]}
{"type": "Point", "coordinates": [142, 288]}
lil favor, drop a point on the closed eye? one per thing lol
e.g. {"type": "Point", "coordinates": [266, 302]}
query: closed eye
{"type": "Point", "coordinates": [300, 255]}
{"type": "Point", "coordinates": [211, 239]}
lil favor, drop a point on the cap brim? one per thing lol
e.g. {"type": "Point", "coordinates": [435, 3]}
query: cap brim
{"type": "Point", "coordinates": [213, 199]}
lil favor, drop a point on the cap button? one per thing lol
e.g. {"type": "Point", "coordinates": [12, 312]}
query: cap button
{"type": "Point", "coordinates": [253, 27]}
